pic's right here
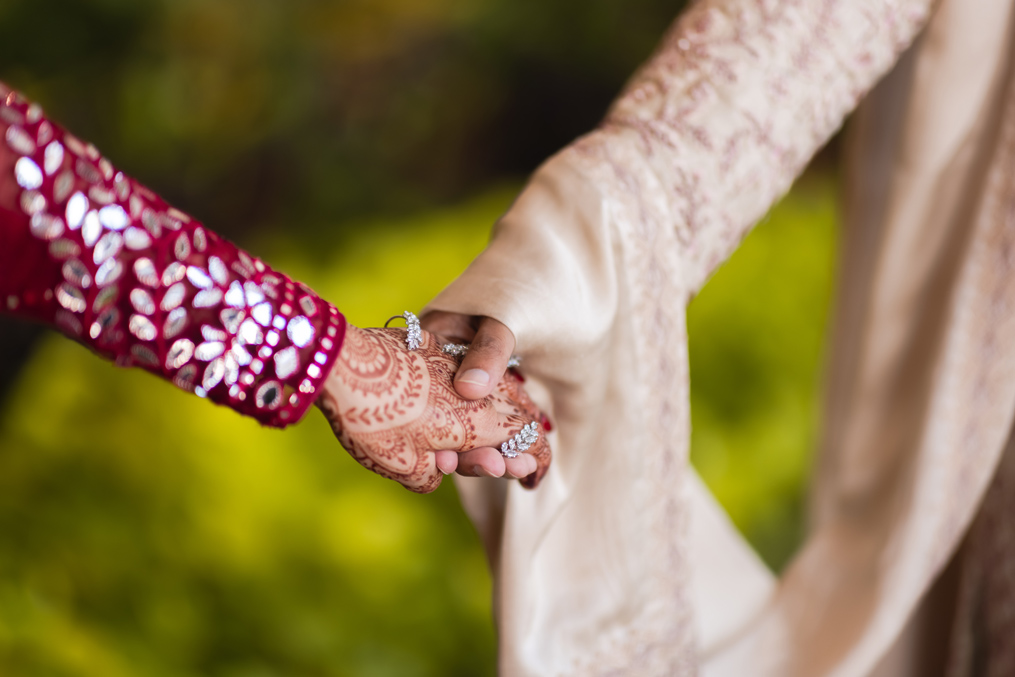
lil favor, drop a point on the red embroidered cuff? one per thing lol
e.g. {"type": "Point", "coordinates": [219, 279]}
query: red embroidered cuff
{"type": "Point", "coordinates": [113, 266]}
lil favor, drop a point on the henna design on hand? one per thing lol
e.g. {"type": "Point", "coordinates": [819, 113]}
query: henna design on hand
{"type": "Point", "coordinates": [391, 408]}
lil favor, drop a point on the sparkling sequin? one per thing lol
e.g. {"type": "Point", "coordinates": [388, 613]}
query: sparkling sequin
{"type": "Point", "coordinates": [294, 400]}
{"type": "Point", "coordinates": [53, 158]}
{"type": "Point", "coordinates": [308, 306]}
{"type": "Point", "coordinates": [234, 297]}
{"type": "Point", "coordinates": [86, 171]}
{"type": "Point", "coordinates": [241, 355]}
{"type": "Point", "coordinates": [287, 362]}
{"type": "Point", "coordinates": [320, 358]}
{"type": "Point", "coordinates": [262, 313]}
{"type": "Point", "coordinates": [213, 374]}
{"type": "Point", "coordinates": [20, 141]}
{"type": "Point", "coordinates": [77, 207]}
{"type": "Point", "coordinates": [142, 301]}
{"type": "Point", "coordinates": [77, 274]}
{"type": "Point", "coordinates": [200, 239]}
{"type": "Point", "coordinates": [144, 271]}
{"type": "Point", "coordinates": [144, 355]}
{"type": "Point", "coordinates": [257, 366]}
{"type": "Point", "coordinates": [105, 167]}
{"type": "Point", "coordinates": [32, 202]}
{"type": "Point", "coordinates": [106, 319]}
{"type": "Point", "coordinates": [209, 350]}
{"type": "Point", "coordinates": [253, 293]}
{"type": "Point", "coordinates": [114, 217]}
{"type": "Point", "coordinates": [217, 269]}
{"type": "Point", "coordinates": [71, 298]}
{"type": "Point", "coordinates": [279, 322]}
{"type": "Point", "coordinates": [136, 207]}
{"type": "Point", "coordinates": [173, 297]}
{"type": "Point", "coordinates": [232, 370]}
{"type": "Point", "coordinates": [121, 186]}
{"type": "Point", "coordinates": [300, 331]}
{"type": "Point", "coordinates": [34, 113]}
{"type": "Point", "coordinates": [313, 371]}
{"type": "Point", "coordinates": [185, 377]}
{"type": "Point", "coordinates": [105, 298]}
{"type": "Point", "coordinates": [179, 353]}
{"type": "Point", "coordinates": [182, 247]}
{"type": "Point", "coordinates": [250, 333]}
{"type": "Point", "coordinates": [269, 395]}
{"type": "Point", "coordinates": [199, 278]}
{"type": "Point", "coordinates": [231, 318]}
{"type": "Point", "coordinates": [272, 337]}
{"type": "Point", "coordinates": [62, 249]}
{"type": "Point", "coordinates": [108, 245]}
{"type": "Point", "coordinates": [27, 173]}
{"type": "Point", "coordinates": [63, 186]}
{"type": "Point", "coordinates": [46, 226]}
{"type": "Point", "coordinates": [210, 333]}
{"type": "Point", "coordinates": [151, 222]}
{"type": "Point", "coordinates": [265, 352]}
{"type": "Point", "coordinates": [45, 134]}
{"type": "Point", "coordinates": [207, 298]}
{"type": "Point", "coordinates": [101, 195]}
{"type": "Point", "coordinates": [136, 239]}
{"type": "Point", "coordinates": [176, 322]}
{"type": "Point", "coordinates": [174, 272]}
{"type": "Point", "coordinates": [141, 327]}
{"type": "Point", "coordinates": [91, 229]}
{"type": "Point", "coordinates": [326, 343]}
{"type": "Point", "coordinates": [109, 272]}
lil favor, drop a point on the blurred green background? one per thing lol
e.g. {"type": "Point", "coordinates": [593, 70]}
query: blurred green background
{"type": "Point", "coordinates": [366, 148]}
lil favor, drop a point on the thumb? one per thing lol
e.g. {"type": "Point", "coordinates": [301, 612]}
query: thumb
{"type": "Point", "coordinates": [484, 365]}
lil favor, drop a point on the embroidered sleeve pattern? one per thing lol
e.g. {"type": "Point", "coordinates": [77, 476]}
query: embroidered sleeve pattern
{"type": "Point", "coordinates": [106, 261]}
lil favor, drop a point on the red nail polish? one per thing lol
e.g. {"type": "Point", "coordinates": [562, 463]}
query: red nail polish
{"type": "Point", "coordinates": [547, 426]}
{"type": "Point", "coordinates": [521, 379]}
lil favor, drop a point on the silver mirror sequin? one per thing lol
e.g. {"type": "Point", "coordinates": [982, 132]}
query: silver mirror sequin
{"type": "Point", "coordinates": [77, 274]}
{"type": "Point", "coordinates": [173, 297]}
{"type": "Point", "coordinates": [45, 226]}
{"type": "Point", "coordinates": [253, 293]}
{"type": "Point", "coordinates": [234, 296]}
{"type": "Point", "coordinates": [141, 327]}
{"type": "Point", "coordinates": [231, 318]}
{"type": "Point", "coordinates": [173, 273]}
{"type": "Point", "coordinates": [269, 395]}
{"type": "Point", "coordinates": [207, 298]}
{"type": "Point", "coordinates": [250, 333]}
{"type": "Point", "coordinates": [20, 141]}
{"type": "Point", "coordinates": [142, 301]}
{"type": "Point", "coordinates": [144, 271]}
{"type": "Point", "coordinates": [179, 353]}
{"type": "Point", "coordinates": [262, 313]}
{"type": "Point", "coordinates": [27, 173]}
{"type": "Point", "coordinates": [218, 270]}
{"type": "Point", "coordinates": [109, 272]}
{"type": "Point", "coordinates": [199, 278]}
{"type": "Point", "coordinates": [32, 202]}
{"type": "Point", "coordinates": [300, 331]}
{"type": "Point", "coordinates": [209, 350]}
{"type": "Point", "coordinates": [114, 217]}
{"type": "Point", "coordinates": [176, 322]}
{"type": "Point", "coordinates": [287, 362]}
{"type": "Point", "coordinates": [109, 245]}
{"type": "Point", "coordinates": [77, 207]}
{"type": "Point", "coordinates": [71, 298]}
{"type": "Point", "coordinates": [213, 374]}
{"type": "Point", "coordinates": [136, 239]}
{"type": "Point", "coordinates": [53, 159]}
{"type": "Point", "coordinates": [91, 229]}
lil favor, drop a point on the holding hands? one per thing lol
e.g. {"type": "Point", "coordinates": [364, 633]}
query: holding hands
{"type": "Point", "coordinates": [403, 414]}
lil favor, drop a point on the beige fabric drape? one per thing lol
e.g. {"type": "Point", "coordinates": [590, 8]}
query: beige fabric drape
{"type": "Point", "coordinates": [621, 563]}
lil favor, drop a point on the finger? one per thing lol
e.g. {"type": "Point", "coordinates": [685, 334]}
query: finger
{"type": "Point", "coordinates": [453, 326]}
{"type": "Point", "coordinates": [484, 365]}
{"type": "Point", "coordinates": [540, 453]}
{"type": "Point", "coordinates": [481, 462]}
{"type": "Point", "coordinates": [520, 466]}
{"type": "Point", "coordinates": [446, 461]}
{"type": "Point", "coordinates": [426, 477]}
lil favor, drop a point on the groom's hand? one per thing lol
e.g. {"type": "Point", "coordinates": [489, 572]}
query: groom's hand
{"type": "Point", "coordinates": [484, 366]}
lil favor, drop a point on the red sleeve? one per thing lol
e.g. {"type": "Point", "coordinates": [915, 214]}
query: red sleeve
{"type": "Point", "coordinates": [107, 262]}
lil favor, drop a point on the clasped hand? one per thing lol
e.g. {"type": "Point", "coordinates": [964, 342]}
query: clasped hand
{"type": "Point", "coordinates": [398, 412]}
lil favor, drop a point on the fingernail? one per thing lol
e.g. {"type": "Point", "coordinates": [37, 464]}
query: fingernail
{"type": "Point", "coordinates": [443, 471]}
{"type": "Point", "coordinates": [479, 471]}
{"type": "Point", "coordinates": [475, 377]}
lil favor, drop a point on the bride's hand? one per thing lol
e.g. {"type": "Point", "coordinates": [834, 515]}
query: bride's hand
{"type": "Point", "coordinates": [391, 408]}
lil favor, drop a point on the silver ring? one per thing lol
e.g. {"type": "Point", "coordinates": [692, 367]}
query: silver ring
{"type": "Point", "coordinates": [460, 349]}
{"type": "Point", "coordinates": [525, 438]}
{"type": "Point", "coordinates": [413, 332]}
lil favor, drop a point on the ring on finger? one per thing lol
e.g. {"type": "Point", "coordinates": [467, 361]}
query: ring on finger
{"type": "Point", "coordinates": [525, 438]}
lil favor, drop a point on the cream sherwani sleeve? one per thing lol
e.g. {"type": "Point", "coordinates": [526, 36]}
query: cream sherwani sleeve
{"type": "Point", "coordinates": [621, 563]}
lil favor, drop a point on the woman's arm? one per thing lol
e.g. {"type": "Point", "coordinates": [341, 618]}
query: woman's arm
{"type": "Point", "coordinates": [88, 250]}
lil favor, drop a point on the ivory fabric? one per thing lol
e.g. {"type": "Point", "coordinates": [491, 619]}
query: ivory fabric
{"type": "Point", "coordinates": [621, 563]}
